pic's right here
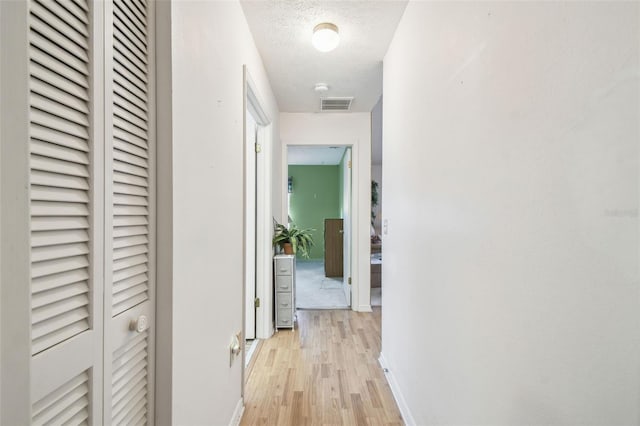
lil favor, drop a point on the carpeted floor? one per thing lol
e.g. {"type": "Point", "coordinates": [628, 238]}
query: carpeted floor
{"type": "Point", "coordinates": [314, 290]}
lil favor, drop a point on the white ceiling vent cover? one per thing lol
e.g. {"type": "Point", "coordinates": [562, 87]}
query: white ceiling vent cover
{"type": "Point", "coordinates": [335, 104]}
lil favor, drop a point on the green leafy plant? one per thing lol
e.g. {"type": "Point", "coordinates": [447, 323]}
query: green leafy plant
{"type": "Point", "coordinates": [300, 239]}
{"type": "Point", "coordinates": [374, 200]}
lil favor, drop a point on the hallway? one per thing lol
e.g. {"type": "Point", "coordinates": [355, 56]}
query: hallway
{"type": "Point", "coordinates": [325, 372]}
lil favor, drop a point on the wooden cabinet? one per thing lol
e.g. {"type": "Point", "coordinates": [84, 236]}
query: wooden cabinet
{"type": "Point", "coordinates": [285, 290]}
{"type": "Point", "coordinates": [333, 247]}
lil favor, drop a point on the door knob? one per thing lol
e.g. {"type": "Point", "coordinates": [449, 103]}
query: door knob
{"type": "Point", "coordinates": [140, 324]}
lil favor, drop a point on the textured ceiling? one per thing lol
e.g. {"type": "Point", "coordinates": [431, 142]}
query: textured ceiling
{"type": "Point", "coordinates": [315, 155]}
{"type": "Point", "coordinates": [282, 31]}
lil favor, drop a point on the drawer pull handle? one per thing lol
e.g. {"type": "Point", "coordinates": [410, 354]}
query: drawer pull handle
{"type": "Point", "coordinates": [284, 286]}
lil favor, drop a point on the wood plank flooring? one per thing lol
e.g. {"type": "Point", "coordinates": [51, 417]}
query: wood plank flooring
{"type": "Point", "coordinates": [326, 372]}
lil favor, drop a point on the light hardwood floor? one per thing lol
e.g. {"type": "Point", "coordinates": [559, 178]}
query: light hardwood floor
{"type": "Point", "coordinates": [326, 372]}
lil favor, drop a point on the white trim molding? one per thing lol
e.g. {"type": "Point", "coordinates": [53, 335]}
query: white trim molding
{"type": "Point", "coordinates": [397, 394]}
{"type": "Point", "coordinates": [365, 308]}
{"type": "Point", "coordinates": [237, 413]}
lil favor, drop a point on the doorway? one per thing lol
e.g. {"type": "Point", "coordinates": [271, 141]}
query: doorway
{"type": "Point", "coordinates": [257, 223]}
{"type": "Point", "coordinates": [319, 198]}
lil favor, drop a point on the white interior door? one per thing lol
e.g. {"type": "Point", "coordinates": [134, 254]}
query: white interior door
{"type": "Point", "coordinates": [65, 212]}
{"type": "Point", "coordinates": [250, 227]}
{"type": "Point", "coordinates": [130, 227]}
{"type": "Point", "coordinates": [348, 218]}
{"type": "Point", "coordinates": [84, 151]}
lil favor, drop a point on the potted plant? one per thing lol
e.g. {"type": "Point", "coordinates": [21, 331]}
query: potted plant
{"type": "Point", "coordinates": [293, 239]}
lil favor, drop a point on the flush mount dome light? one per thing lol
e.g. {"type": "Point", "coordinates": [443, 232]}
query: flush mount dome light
{"type": "Point", "coordinates": [321, 87]}
{"type": "Point", "coordinates": [325, 37]}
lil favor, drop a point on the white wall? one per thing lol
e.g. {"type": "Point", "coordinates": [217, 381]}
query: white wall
{"type": "Point", "coordinates": [511, 190]}
{"type": "Point", "coordinates": [203, 100]}
{"type": "Point", "coordinates": [340, 129]}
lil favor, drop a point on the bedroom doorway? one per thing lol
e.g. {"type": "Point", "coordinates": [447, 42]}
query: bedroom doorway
{"type": "Point", "coordinates": [319, 197]}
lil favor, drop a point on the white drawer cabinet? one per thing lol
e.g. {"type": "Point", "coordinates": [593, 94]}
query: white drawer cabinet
{"type": "Point", "coordinates": [285, 290]}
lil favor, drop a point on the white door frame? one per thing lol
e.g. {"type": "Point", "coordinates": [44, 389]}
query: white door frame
{"type": "Point", "coordinates": [359, 285]}
{"type": "Point", "coordinates": [347, 214]}
{"type": "Point", "coordinates": [250, 212]}
{"type": "Point", "coordinates": [264, 228]}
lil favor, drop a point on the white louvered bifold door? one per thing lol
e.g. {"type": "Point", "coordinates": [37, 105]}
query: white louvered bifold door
{"type": "Point", "coordinates": [66, 213]}
{"type": "Point", "coordinates": [130, 303]}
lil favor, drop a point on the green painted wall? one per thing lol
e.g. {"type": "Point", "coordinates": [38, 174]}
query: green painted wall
{"type": "Point", "coordinates": [315, 197]}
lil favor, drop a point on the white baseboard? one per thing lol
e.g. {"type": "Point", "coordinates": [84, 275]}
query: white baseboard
{"type": "Point", "coordinates": [397, 394]}
{"type": "Point", "coordinates": [365, 308]}
{"type": "Point", "coordinates": [237, 414]}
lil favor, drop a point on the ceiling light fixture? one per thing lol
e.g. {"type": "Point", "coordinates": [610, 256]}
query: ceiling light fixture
{"type": "Point", "coordinates": [325, 37]}
{"type": "Point", "coordinates": [321, 87]}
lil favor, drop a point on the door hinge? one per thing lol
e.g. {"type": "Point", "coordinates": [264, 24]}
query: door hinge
{"type": "Point", "coordinates": [349, 281]}
{"type": "Point", "coordinates": [258, 147]}
{"type": "Point", "coordinates": [349, 164]}
{"type": "Point", "coordinates": [256, 302]}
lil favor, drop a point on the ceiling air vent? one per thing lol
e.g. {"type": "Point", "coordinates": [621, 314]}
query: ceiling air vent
{"type": "Point", "coordinates": [335, 104]}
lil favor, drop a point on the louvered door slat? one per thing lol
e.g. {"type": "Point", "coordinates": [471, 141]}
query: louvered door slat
{"type": "Point", "coordinates": [54, 51]}
{"type": "Point", "coordinates": [129, 379]}
{"type": "Point", "coordinates": [47, 193]}
{"type": "Point", "coordinates": [129, 271]}
{"type": "Point", "coordinates": [124, 231]}
{"type": "Point", "coordinates": [129, 91]}
{"type": "Point", "coordinates": [131, 200]}
{"type": "Point", "coordinates": [49, 164]}
{"type": "Point", "coordinates": [131, 128]}
{"type": "Point", "coordinates": [50, 238]}
{"type": "Point", "coordinates": [121, 188]}
{"type": "Point", "coordinates": [59, 144]}
{"type": "Point", "coordinates": [134, 53]}
{"type": "Point", "coordinates": [53, 122]}
{"type": "Point", "coordinates": [58, 109]}
{"type": "Point", "coordinates": [41, 269]}
{"type": "Point", "coordinates": [61, 36]}
{"type": "Point", "coordinates": [39, 177]}
{"type": "Point", "coordinates": [129, 66]}
{"type": "Point", "coordinates": [76, 318]}
{"type": "Point", "coordinates": [122, 285]}
{"type": "Point", "coordinates": [43, 298]}
{"type": "Point", "coordinates": [52, 408]}
{"type": "Point", "coordinates": [136, 14]}
{"type": "Point", "coordinates": [130, 118]}
{"type": "Point", "coordinates": [45, 208]}
{"type": "Point", "coordinates": [58, 251]}
{"type": "Point", "coordinates": [46, 134]}
{"type": "Point", "coordinates": [64, 84]}
{"type": "Point", "coordinates": [57, 223]}
{"type": "Point", "coordinates": [130, 169]}
{"type": "Point", "coordinates": [77, 8]}
{"type": "Point", "coordinates": [131, 104]}
{"type": "Point", "coordinates": [136, 26]}
{"type": "Point", "coordinates": [45, 89]}
{"type": "Point", "coordinates": [130, 148]}
{"type": "Point", "coordinates": [130, 241]}
{"type": "Point", "coordinates": [54, 281]}
{"type": "Point", "coordinates": [58, 14]}
{"type": "Point", "coordinates": [122, 221]}
{"type": "Point", "coordinates": [129, 36]}
{"type": "Point", "coordinates": [127, 158]}
{"type": "Point", "coordinates": [43, 60]}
